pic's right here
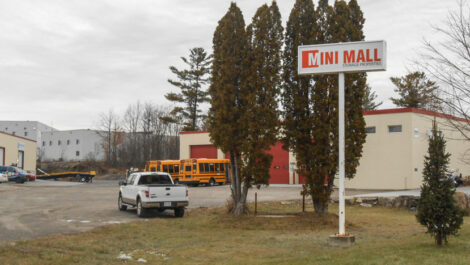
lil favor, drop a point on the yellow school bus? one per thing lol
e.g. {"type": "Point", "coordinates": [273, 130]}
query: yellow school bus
{"type": "Point", "coordinates": [169, 166]}
{"type": "Point", "coordinates": [196, 171]}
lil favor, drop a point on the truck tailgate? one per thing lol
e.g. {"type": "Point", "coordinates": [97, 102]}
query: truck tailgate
{"type": "Point", "coordinates": [170, 193]}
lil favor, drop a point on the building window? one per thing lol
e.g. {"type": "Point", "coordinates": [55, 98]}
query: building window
{"type": "Point", "coordinates": [20, 159]}
{"type": "Point", "coordinates": [50, 143]}
{"type": "Point", "coordinates": [394, 128]}
{"type": "Point", "coordinates": [77, 141]}
{"type": "Point", "coordinates": [25, 133]}
{"type": "Point", "coordinates": [43, 143]}
{"type": "Point", "coordinates": [370, 129]}
{"type": "Point", "coordinates": [77, 153]}
{"type": "Point", "coordinates": [68, 142]}
{"type": "Point", "coordinates": [59, 142]}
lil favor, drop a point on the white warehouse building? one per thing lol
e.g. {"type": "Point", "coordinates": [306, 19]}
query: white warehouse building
{"type": "Point", "coordinates": [28, 129]}
{"type": "Point", "coordinates": [72, 145]}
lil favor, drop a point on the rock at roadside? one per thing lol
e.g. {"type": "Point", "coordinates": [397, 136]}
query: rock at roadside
{"type": "Point", "coordinates": [463, 200]}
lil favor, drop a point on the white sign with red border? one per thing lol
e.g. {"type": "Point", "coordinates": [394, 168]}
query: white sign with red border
{"type": "Point", "coordinates": [362, 56]}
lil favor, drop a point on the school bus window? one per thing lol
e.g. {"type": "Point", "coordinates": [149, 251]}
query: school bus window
{"type": "Point", "coordinates": [188, 168]}
{"type": "Point", "coordinates": [158, 168]}
{"type": "Point", "coordinates": [177, 168]}
{"type": "Point", "coordinates": [194, 166]}
{"type": "Point", "coordinates": [201, 167]}
{"type": "Point", "coordinates": [211, 167]}
{"type": "Point", "coordinates": [170, 169]}
{"type": "Point", "coordinates": [165, 168]}
{"type": "Point", "coordinates": [206, 167]}
{"type": "Point", "coordinates": [152, 169]}
{"type": "Point", "coordinates": [217, 167]}
{"type": "Point", "coordinates": [222, 168]}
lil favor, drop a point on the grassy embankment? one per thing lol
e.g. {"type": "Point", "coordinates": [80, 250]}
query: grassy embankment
{"type": "Point", "coordinates": [383, 236]}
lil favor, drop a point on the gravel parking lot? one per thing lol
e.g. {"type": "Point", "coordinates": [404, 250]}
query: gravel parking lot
{"type": "Point", "coordinates": [53, 207]}
{"type": "Point", "coordinates": [44, 207]}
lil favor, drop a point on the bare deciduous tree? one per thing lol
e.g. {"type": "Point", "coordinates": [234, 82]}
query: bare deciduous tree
{"type": "Point", "coordinates": [108, 128]}
{"type": "Point", "coordinates": [448, 61]}
{"type": "Point", "coordinates": [140, 135]}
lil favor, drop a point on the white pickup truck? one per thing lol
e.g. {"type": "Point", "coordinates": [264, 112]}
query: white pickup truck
{"type": "Point", "coordinates": [147, 190]}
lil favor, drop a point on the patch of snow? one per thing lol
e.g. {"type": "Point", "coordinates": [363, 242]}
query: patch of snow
{"type": "Point", "coordinates": [142, 260]}
{"type": "Point", "coordinates": [85, 221]}
{"type": "Point", "coordinates": [113, 222]}
{"type": "Point", "coordinates": [69, 221]}
{"type": "Point", "coordinates": [156, 253]}
{"type": "Point", "coordinates": [124, 256]}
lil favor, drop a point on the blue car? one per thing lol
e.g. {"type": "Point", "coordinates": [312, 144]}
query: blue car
{"type": "Point", "coordinates": [14, 174]}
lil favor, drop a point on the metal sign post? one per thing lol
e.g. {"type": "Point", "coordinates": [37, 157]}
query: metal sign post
{"type": "Point", "coordinates": [363, 56]}
{"type": "Point", "coordinates": [341, 152]}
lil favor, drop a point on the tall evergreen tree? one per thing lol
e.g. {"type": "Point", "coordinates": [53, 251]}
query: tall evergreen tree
{"type": "Point", "coordinates": [437, 208]}
{"type": "Point", "coordinates": [324, 100]}
{"type": "Point", "coordinates": [298, 134]}
{"type": "Point", "coordinates": [415, 90]}
{"type": "Point", "coordinates": [243, 118]}
{"type": "Point", "coordinates": [355, 85]}
{"type": "Point", "coordinates": [368, 101]}
{"type": "Point", "coordinates": [192, 83]}
{"type": "Point", "coordinates": [265, 35]}
{"type": "Point", "coordinates": [310, 104]}
{"type": "Point", "coordinates": [230, 95]}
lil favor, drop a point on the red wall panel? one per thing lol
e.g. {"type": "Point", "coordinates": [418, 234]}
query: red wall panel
{"type": "Point", "coordinates": [279, 170]}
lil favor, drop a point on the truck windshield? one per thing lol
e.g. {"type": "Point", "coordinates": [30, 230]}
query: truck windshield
{"type": "Point", "coordinates": [154, 179]}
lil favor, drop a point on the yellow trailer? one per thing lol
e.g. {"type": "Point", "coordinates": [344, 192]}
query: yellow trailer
{"type": "Point", "coordinates": [75, 175]}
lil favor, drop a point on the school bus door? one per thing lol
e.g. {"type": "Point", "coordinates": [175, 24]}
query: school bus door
{"type": "Point", "coordinates": [187, 171]}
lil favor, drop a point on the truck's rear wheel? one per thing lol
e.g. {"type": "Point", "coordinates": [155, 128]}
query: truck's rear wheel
{"type": "Point", "coordinates": [141, 211]}
{"type": "Point", "coordinates": [179, 212]}
{"type": "Point", "coordinates": [121, 206]}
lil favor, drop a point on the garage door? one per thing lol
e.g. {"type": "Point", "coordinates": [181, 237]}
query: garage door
{"type": "Point", "coordinates": [203, 151]}
{"type": "Point", "coordinates": [279, 170]}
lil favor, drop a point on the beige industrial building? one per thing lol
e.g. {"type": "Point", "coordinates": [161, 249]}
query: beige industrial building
{"type": "Point", "coordinates": [17, 151]}
{"type": "Point", "coordinates": [393, 155]}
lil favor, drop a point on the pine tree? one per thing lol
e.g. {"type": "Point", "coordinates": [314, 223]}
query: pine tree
{"type": "Point", "coordinates": [437, 208]}
{"type": "Point", "coordinates": [368, 101]}
{"type": "Point", "coordinates": [415, 91]}
{"type": "Point", "coordinates": [191, 82]}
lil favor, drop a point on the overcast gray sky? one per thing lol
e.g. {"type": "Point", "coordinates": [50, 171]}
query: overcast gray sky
{"type": "Point", "coordinates": [62, 62]}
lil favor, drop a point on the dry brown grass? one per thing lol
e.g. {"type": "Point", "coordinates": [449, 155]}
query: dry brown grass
{"type": "Point", "coordinates": [211, 236]}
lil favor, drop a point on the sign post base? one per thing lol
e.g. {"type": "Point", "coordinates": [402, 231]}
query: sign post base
{"type": "Point", "coordinates": [341, 240]}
